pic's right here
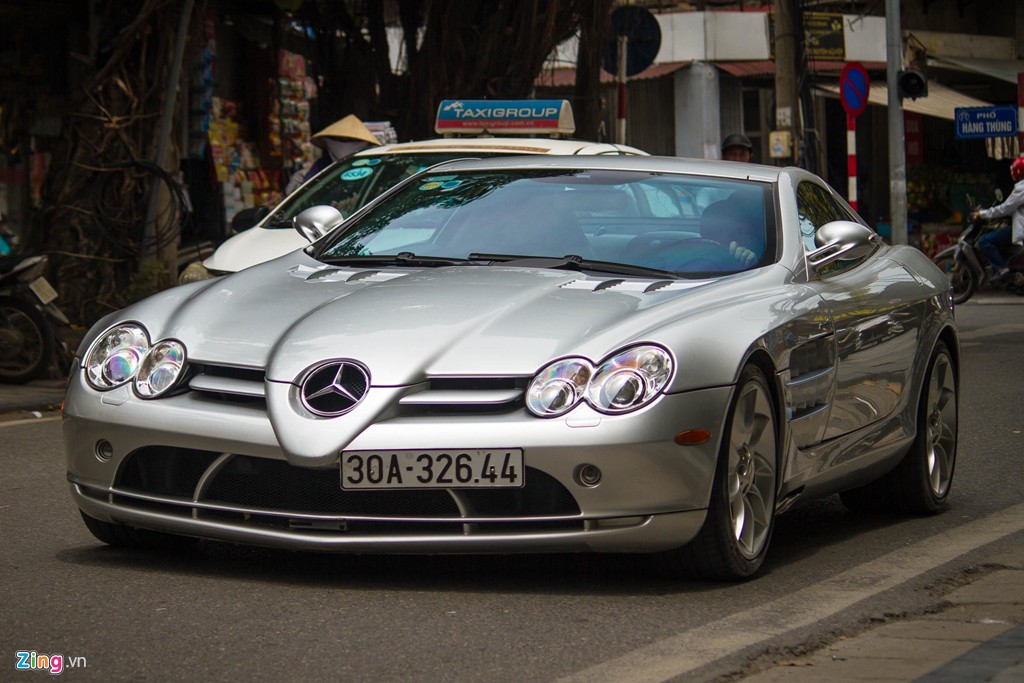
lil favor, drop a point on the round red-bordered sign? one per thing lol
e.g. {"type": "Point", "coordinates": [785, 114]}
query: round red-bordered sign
{"type": "Point", "coordinates": [854, 85]}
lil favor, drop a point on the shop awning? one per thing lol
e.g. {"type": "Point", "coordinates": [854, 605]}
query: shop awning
{"type": "Point", "coordinates": [561, 78]}
{"type": "Point", "coordinates": [940, 103]}
{"type": "Point", "coordinates": [766, 67]}
{"type": "Point", "coordinates": [1002, 69]}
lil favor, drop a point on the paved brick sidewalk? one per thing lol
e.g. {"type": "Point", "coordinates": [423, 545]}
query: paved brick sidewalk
{"type": "Point", "coordinates": [976, 635]}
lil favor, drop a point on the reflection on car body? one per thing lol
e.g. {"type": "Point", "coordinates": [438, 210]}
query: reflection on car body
{"type": "Point", "coordinates": [528, 355]}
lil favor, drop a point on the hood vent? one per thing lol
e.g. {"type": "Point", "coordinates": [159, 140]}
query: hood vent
{"type": "Point", "coordinates": [621, 285]}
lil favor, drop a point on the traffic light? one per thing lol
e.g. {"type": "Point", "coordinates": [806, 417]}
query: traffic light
{"type": "Point", "coordinates": [912, 83]}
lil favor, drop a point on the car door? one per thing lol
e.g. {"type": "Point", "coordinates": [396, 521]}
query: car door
{"type": "Point", "coordinates": [876, 317]}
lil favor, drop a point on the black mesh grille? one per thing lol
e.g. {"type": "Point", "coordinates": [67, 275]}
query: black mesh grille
{"type": "Point", "coordinates": [165, 471]}
{"type": "Point", "coordinates": [542, 496]}
{"type": "Point", "coordinates": [259, 482]}
{"type": "Point", "coordinates": [269, 484]}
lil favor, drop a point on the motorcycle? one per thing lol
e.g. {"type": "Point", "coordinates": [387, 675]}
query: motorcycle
{"type": "Point", "coordinates": [28, 339]}
{"type": "Point", "coordinates": [965, 264]}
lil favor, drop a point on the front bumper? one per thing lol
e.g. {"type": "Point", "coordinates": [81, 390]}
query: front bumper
{"type": "Point", "coordinates": [190, 466]}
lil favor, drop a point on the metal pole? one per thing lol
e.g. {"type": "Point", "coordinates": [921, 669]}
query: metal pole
{"type": "Point", "coordinates": [897, 154]}
{"type": "Point", "coordinates": [787, 99]}
{"type": "Point", "coordinates": [166, 120]}
{"type": "Point", "coordinates": [620, 78]}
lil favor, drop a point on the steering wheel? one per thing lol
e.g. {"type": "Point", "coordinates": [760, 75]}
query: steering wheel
{"type": "Point", "coordinates": [681, 255]}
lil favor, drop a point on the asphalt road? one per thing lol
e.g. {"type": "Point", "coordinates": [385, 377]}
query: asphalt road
{"type": "Point", "coordinates": [222, 612]}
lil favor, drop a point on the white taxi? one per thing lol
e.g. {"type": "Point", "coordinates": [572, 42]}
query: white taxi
{"type": "Point", "coordinates": [494, 127]}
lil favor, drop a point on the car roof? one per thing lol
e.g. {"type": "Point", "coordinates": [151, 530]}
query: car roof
{"type": "Point", "coordinates": [502, 145]}
{"type": "Point", "coordinates": [653, 164]}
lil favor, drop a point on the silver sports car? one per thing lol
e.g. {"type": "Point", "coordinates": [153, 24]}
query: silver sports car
{"type": "Point", "coordinates": [538, 354]}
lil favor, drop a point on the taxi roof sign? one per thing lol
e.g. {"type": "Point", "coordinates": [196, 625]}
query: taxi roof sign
{"type": "Point", "coordinates": [507, 117]}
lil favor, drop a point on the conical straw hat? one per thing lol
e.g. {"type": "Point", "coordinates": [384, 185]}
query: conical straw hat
{"type": "Point", "coordinates": [350, 128]}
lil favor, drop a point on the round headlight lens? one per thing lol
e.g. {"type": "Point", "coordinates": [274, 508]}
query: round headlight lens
{"type": "Point", "coordinates": [160, 369]}
{"type": "Point", "coordinates": [630, 379]}
{"type": "Point", "coordinates": [115, 358]}
{"type": "Point", "coordinates": [558, 388]}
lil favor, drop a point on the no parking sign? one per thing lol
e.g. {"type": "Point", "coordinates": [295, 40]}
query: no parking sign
{"type": "Point", "coordinates": [854, 85]}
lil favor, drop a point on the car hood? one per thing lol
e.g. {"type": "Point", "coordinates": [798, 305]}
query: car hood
{"type": "Point", "coordinates": [406, 324]}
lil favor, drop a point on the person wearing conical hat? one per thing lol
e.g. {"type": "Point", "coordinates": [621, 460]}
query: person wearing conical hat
{"type": "Point", "coordinates": [341, 139]}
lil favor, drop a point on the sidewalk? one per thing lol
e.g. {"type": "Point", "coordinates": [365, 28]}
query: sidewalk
{"type": "Point", "coordinates": [976, 633]}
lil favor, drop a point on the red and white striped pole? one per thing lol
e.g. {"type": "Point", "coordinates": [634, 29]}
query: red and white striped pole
{"type": "Point", "coordinates": [851, 159]}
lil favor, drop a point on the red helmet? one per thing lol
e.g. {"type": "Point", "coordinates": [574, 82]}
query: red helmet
{"type": "Point", "coordinates": [1017, 168]}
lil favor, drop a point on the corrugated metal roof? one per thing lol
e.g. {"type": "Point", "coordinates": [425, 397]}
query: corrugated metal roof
{"type": "Point", "coordinates": [560, 78]}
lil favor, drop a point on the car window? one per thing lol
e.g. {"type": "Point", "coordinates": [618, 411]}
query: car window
{"type": "Point", "coordinates": [816, 207]}
{"type": "Point", "coordinates": [349, 184]}
{"type": "Point", "coordinates": [632, 217]}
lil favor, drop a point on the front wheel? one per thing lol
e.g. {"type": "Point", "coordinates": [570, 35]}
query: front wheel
{"type": "Point", "coordinates": [962, 280]}
{"type": "Point", "coordinates": [26, 341]}
{"type": "Point", "coordinates": [733, 542]}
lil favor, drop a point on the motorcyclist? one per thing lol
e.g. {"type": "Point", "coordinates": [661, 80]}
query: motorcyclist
{"type": "Point", "coordinates": [996, 243]}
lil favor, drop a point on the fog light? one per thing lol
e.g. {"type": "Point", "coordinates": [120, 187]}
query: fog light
{"type": "Point", "coordinates": [104, 450]}
{"type": "Point", "coordinates": [588, 475]}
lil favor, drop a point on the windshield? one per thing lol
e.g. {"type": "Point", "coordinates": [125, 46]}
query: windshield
{"type": "Point", "coordinates": [349, 184]}
{"type": "Point", "coordinates": [678, 223]}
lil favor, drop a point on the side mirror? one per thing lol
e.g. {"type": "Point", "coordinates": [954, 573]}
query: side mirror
{"type": "Point", "coordinates": [246, 218]}
{"type": "Point", "coordinates": [317, 221]}
{"type": "Point", "coordinates": [842, 241]}
{"type": "Point", "coordinates": [999, 195]}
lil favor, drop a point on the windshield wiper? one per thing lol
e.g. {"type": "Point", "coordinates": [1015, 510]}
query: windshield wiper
{"type": "Point", "coordinates": [405, 258]}
{"type": "Point", "coordinates": [573, 262]}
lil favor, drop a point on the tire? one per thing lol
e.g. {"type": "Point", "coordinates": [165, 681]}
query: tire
{"type": "Point", "coordinates": [921, 482]}
{"type": "Point", "coordinates": [962, 280]}
{"type": "Point", "coordinates": [734, 540]}
{"type": "Point", "coordinates": [122, 536]}
{"type": "Point", "coordinates": [26, 341]}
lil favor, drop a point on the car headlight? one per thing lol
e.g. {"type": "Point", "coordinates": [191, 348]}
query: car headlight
{"type": "Point", "coordinates": [160, 369]}
{"type": "Point", "coordinates": [116, 357]}
{"type": "Point", "coordinates": [558, 388]}
{"type": "Point", "coordinates": [625, 381]}
{"type": "Point", "coordinates": [630, 379]}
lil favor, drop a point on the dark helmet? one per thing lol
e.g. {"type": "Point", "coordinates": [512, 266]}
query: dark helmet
{"type": "Point", "coordinates": [737, 140]}
{"type": "Point", "coordinates": [1017, 168]}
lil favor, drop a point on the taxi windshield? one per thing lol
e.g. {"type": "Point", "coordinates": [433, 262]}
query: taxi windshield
{"type": "Point", "coordinates": [669, 222]}
{"type": "Point", "coordinates": [350, 183]}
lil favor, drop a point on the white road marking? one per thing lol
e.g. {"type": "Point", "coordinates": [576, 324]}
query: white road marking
{"type": "Point", "coordinates": [28, 421]}
{"type": "Point", "coordinates": [691, 649]}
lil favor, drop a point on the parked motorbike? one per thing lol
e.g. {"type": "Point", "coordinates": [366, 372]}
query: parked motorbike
{"type": "Point", "coordinates": [27, 317]}
{"type": "Point", "coordinates": [965, 264]}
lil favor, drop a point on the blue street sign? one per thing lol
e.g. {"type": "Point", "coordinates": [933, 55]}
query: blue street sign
{"type": "Point", "coordinates": [985, 122]}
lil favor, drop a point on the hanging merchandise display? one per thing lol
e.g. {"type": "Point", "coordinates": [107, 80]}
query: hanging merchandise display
{"type": "Point", "coordinates": [244, 181]}
{"type": "Point", "coordinates": [289, 117]}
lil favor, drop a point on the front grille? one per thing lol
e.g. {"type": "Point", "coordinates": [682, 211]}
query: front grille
{"type": "Point", "coordinates": [247, 490]}
{"type": "Point", "coordinates": [274, 484]}
{"type": "Point", "coordinates": [228, 384]}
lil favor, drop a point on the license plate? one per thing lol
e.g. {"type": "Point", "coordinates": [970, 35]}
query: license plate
{"type": "Point", "coordinates": [500, 468]}
{"type": "Point", "coordinates": [43, 290]}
